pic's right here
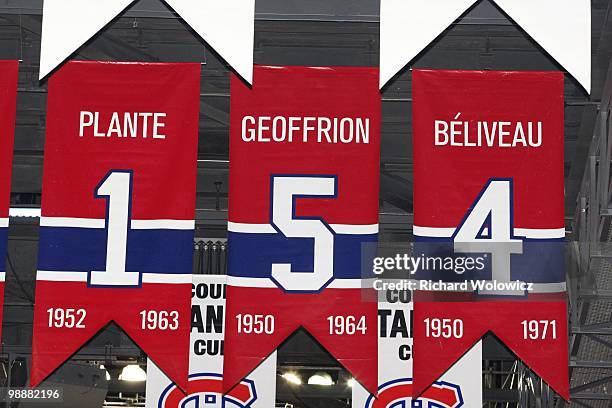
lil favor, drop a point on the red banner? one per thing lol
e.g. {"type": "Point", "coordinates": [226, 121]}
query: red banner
{"type": "Point", "coordinates": [304, 168]}
{"type": "Point", "coordinates": [117, 225]}
{"type": "Point", "coordinates": [9, 72]}
{"type": "Point", "coordinates": [489, 203]}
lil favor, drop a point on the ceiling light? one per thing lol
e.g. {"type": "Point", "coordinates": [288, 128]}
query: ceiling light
{"type": "Point", "coordinates": [292, 378]}
{"type": "Point", "coordinates": [133, 373]}
{"type": "Point", "coordinates": [320, 378]}
{"type": "Point", "coordinates": [108, 377]}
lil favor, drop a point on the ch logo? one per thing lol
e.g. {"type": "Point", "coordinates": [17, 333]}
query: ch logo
{"type": "Point", "coordinates": [398, 394]}
{"type": "Point", "coordinates": [206, 393]}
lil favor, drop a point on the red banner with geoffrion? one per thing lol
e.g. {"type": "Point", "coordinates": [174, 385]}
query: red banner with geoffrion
{"type": "Point", "coordinates": [304, 167]}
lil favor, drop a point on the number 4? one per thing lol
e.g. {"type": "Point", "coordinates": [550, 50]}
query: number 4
{"type": "Point", "coordinates": [494, 206]}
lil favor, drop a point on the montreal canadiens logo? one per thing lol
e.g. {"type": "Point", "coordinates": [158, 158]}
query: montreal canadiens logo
{"type": "Point", "coordinates": [206, 393]}
{"type": "Point", "coordinates": [398, 394]}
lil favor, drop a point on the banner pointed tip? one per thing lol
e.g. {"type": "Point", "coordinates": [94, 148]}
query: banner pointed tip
{"type": "Point", "coordinates": [247, 75]}
{"type": "Point", "coordinates": [45, 69]}
{"type": "Point", "coordinates": [384, 78]}
{"type": "Point", "coordinates": [584, 81]}
{"type": "Point", "coordinates": [212, 20]}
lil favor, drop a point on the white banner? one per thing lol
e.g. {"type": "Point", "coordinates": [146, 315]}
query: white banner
{"type": "Point", "coordinates": [258, 390]}
{"type": "Point", "coordinates": [461, 386]}
{"type": "Point", "coordinates": [561, 27]}
{"type": "Point", "coordinates": [227, 26]}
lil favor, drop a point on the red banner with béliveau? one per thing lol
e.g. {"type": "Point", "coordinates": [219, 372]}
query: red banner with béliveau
{"type": "Point", "coordinates": [304, 168]}
{"type": "Point", "coordinates": [118, 209]}
{"type": "Point", "coordinates": [489, 205]}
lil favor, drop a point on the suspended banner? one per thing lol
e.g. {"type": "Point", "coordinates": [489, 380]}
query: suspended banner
{"type": "Point", "coordinates": [258, 390]}
{"type": "Point", "coordinates": [227, 26]}
{"type": "Point", "coordinates": [461, 386]}
{"type": "Point", "coordinates": [9, 72]}
{"type": "Point", "coordinates": [561, 27]}
{"type": "Point", "coordinates": [489, 219]}
{"type": "Point", "coordinates": [304, 149]}
{"type": "Point", "coordinates": [117, 224]}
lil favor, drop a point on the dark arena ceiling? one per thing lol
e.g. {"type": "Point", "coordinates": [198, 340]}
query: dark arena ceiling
{"type": "Point", "coordinates": [318, 33]}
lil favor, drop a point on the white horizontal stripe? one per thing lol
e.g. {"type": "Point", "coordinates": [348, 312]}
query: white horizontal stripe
{"type": "Point", "coordinates": [24, 212]}
{"type": "Point", "coordinates": [268, 283]}
{"type": "Point", "coordinates": [433, 232]}
{"type": "Point", "coordinates": [4, 222]}
{"type": "Point", "coordinates": [351, 284]}
{"type": "Point", "coordinates": [55, 276]}
{"type": "Point", "coordinates": [72, 222]}
{"type": "Point", "coordinates": [250, 228]}
{"type": "Point", "coordinates": [519, 232]}
{"type": "Point", "coordinates": [101, 223]}
{"type": "Point", "coordinates": [348, 229]}
{"type": "Point", "coordinates": [540, 233]}
{"type": "Point", "coordinates": [250, 282]}
{"type": "Point", "coordinates": [2, 277]}
{"type": "Point", "coordinates": [167, 278]}
{"type": "Point", "coordinates": [355, 229]}
{"type": "Point", "coordinates": [549, 287]}
{"type": "Point", "coordinates": [537, 288]}
{"type": "Point", "coordinates": [163, 224]}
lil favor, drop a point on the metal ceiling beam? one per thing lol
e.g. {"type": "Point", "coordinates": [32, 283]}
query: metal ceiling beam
{"type": "Point", "coordinates": [275, 10]}
{"type": "Point", "coordinates": [601, 71]}
{"type": "Point", "coordinates": [592, 384]}
{"type": "Point", "coordinates": [598, 396]}
{"type": "Point", "coordinates": [590, 364]}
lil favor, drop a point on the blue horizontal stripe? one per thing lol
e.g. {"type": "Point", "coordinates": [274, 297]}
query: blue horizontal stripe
{"type": "Point", "coordinates": [252, 255]}
{"type": "Point", "coordinates": [84, 249]}
{"type": "Point", "coordinates": [3, 247]}
{"type": "Point", "coordinates": [542, 261]}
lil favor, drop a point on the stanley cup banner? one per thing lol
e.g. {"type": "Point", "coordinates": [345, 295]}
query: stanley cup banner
{"type": "Point", "coordinates": [461, 386]}
{"type": "Point", "coordinates": [489, 219]}
{"type": "Point", "coordinates": [117, 225]}
{"type": "Point", "coordinates": [258, 390]}
{"type": "Point", "coordinates": [9, 71]}
{"type": "Point", "coordinates": [304, 167]}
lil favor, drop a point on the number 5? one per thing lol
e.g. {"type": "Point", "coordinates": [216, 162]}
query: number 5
{"type": "Point", "coordinates": [284, 191]}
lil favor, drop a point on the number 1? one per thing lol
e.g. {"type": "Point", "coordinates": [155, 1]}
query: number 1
{"type": "Point", "coordinates": [116, 188]}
